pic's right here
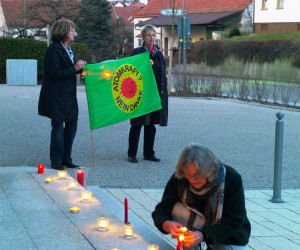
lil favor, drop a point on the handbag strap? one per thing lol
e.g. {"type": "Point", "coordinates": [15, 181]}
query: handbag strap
{"type": "Point", "coordinates": [193, 212]}
{"type": "Point", "coordinates": [191, 220]}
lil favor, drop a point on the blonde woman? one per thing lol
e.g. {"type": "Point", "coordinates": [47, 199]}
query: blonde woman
{"type": "Point", "coordinates": [157, 117]}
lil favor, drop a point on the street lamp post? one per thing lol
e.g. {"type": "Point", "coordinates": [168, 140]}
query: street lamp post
{"type": "Point", "coordinates": [184, 42]}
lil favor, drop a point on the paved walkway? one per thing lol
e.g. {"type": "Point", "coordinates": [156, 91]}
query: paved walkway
{"type": "Point", "coordinates": [35, 215]}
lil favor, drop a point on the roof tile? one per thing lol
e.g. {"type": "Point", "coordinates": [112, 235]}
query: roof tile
{"type": "Point", "coordinates": [152, 9]}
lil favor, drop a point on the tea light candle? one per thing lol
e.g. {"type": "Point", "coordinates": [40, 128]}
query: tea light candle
{"type": "Point", "coordinates": [40, 168]}
{"type": "Point", "coordinates": [128, 231]}
{"type": "Point", "coordinates": [103, 223]}
{"type": "Point", "coordinates": [49, 180]}
{"type": "Point", "coordinates": [62, 174]}
{"type": "Point", "coordinates": [74, 210]}
{"type": "Point", "coordinates": [72, 185]}
{"type": "Point", "coordinates": [153, 247]}
{"type": "Point", "coordinates": [86, 196]}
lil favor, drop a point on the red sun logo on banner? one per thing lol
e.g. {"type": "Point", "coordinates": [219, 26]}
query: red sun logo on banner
{"type": "Point", "coordinates": [128, 88]}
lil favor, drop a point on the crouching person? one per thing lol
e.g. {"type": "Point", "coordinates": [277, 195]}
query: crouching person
{"type": "Point", "coordinates": [207, 197]}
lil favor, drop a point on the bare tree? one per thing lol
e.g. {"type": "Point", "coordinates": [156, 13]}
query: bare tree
{"type": "Point", "coordinates": [41, 13]}
{"type": "Point", "coordinates": [122, 36]}
{"type": "Point", "coordinates": [248, 18]}
{"type": "Point", "coordinates": [174, 4]}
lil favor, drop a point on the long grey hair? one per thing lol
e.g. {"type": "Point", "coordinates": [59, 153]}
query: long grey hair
{"type": "Point", "coordinates": [206, 161]}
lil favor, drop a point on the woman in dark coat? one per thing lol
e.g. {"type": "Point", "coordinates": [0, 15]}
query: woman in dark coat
{"type": "Point", "coordinates": [58, 99]}
{"type": "Point", "coordinates": [206, 197]}
{"type": "Point", "coordinates": [157, 117]}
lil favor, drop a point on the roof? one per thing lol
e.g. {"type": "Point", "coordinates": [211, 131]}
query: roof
{"type": "Point", "coordinates": [15, 10]}
{"type": "Point", "coordinates": [195, 18]}
{"type": "Point", "coordinates": [152, 9]}
{"type": "Point", "coordinates": [126, 13]}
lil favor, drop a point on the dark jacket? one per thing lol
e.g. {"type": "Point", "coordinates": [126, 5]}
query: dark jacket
{"type": "Point", "coordinates": [234, 228]}
{"type": "Point", "coordinates": [159, 69]}
{"type": "Point", "coordinates": [58, 99]}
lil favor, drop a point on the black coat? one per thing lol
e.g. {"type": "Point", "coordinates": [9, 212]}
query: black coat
{"type": "Point", "coordinates": [234, 228]}
{"type": "Point", "coordinates": [159, 69]}
{"type": "Point", "coordinates": [58, 99]}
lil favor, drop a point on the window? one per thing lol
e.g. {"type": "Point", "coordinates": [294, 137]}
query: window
{"type": "Point", "coordinates": [280, 4]}
{"type": "Point", "coordinates": [140, 42]}
{"type": "Point", "coordinates": [166, 46]}
{"type": "Point", "coordinates": [265, 4]}
{"type": "Point", "coordinates": [264, 27]}
{"type": "Point", "coordinates": [158, 42]}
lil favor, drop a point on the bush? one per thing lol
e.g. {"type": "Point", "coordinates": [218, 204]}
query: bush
{"type": "Point", "coordinates": [17, 48]}
{"type": "Point", "coordinates": [214, 53]}
{"type": "Point", "coordinates": [20, 49]}
{"type": "Point", "coordinates": [234, 32]}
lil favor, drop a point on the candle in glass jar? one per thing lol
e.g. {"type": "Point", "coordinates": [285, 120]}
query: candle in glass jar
{"type": "Point", "coordinates": [72, 185]}
{"type": "Point", "coordinates": [40, 168]}
{"type": "Point", "coordinates": [62, 174]}
{"type": "Point", "coordinates": [103, 223]}
{"type": "Point", "coordinates": [153, 247]}
{"type": "Point", "coordinates": [86, 196]}
{"type": "Point", "coordinates": [128, 231]}
{"type": "Point", "coordinates": [80, 177]}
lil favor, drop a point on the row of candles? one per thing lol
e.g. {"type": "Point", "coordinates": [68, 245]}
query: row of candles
{"type": "Point", "coordinates": [86, 196]}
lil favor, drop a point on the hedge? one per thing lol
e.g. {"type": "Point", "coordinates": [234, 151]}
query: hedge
{"type": "Point", "coordinates": [214, 53]}
{"type": "Point", "coordinates": [11, 48]}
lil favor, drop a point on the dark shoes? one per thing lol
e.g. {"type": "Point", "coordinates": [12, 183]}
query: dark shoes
{"type": "Point", "coordinates": [133, 159]}
{"type": "Point", "coordinates": [151, 158]}
{"type": "Point", "coordinates": [69, 164]}
{"type": "Point", "coordinates": [148, 158]}
{"type": "Point", "coordinates": [57, 166]}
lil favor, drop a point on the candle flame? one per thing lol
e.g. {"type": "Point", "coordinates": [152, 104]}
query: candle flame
{"type": "Point", "coordinates": [181, 238]}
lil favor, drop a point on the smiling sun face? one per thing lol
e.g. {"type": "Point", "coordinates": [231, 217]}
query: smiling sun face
{"type": "Point", "coordinates": [128, 88]}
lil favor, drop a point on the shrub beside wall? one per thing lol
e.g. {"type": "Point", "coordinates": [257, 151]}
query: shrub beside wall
{"type": "Point", "coordinates": [11, 48]}
{"type": "Point", "coordinates": [214, 53]}
{"type": "Point", "coordinates": [263, 71]}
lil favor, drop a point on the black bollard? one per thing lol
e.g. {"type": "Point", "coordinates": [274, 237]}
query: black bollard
{"type": "Point", "coordinates": [278, 159]}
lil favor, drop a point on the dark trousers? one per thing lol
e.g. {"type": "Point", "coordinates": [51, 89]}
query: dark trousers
{"type": "Point", "coordinates": [62, 137]}
{"type": "Point", "coordinates": [134, 136]}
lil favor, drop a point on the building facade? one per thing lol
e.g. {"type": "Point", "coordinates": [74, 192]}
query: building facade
{"type": "Point", "coordinates": [206, 18]}
{"type": "Point", "coordinates": [276, 16]}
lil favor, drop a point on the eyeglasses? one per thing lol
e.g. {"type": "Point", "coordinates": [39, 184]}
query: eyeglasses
{"type": "Point", "coordinates": [154, 35]}
{"type": "Point", "coordinates": [193, 176]}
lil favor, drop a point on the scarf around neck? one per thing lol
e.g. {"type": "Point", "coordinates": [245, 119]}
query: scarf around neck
{"type": "Point", "coordinates": [151, 50]}
{"type": "Point", "coordinates": [213, 191]}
